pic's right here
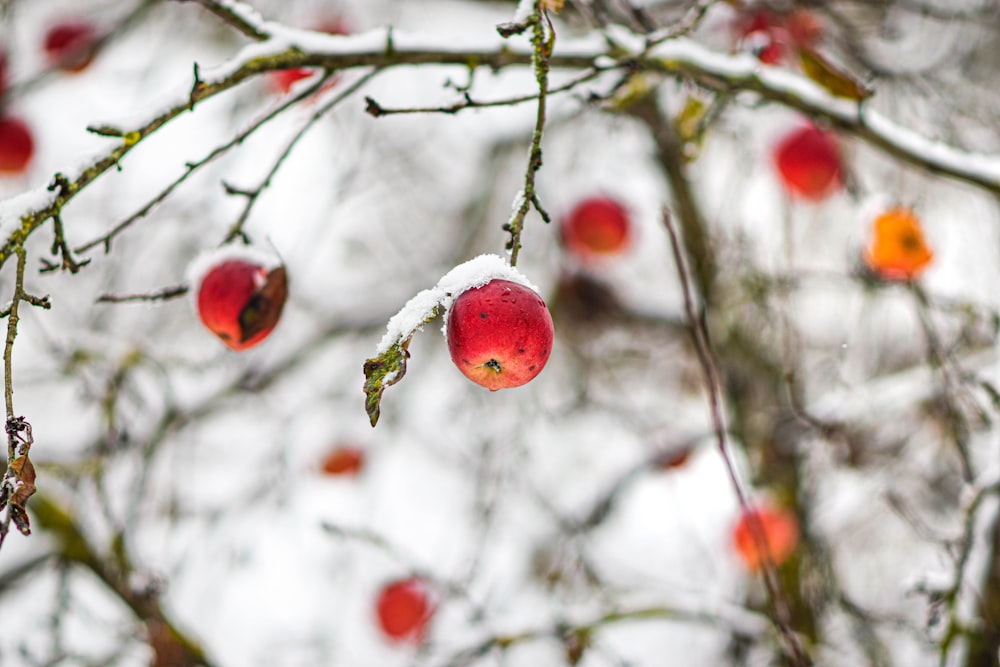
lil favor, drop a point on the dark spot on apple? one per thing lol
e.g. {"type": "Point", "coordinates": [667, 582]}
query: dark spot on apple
{"type": "Point", "coordinates": [520, 351]}
{"type": "Point", "coordinates": [532, 367]}
{"type": "Point", "coordinates": [909, 242]}
{"type": "Point", "coordinates": [483, 316]}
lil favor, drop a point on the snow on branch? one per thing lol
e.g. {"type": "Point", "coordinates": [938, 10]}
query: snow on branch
{"type": "Point", "coordinates": [744, 72]}
{"type": "Point", "coordinates": [280, 47]}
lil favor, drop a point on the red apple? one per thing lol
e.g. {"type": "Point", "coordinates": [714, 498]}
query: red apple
{"type": "Point", "coordinates": [596, 227]}
{"type": "Point", "coordinates": [17, 146]}
{"type": "Point", "coordinates": [761, 32]}
{"type": "Point", "coordinates": [779, 532]}
{"type": "Point", "coordinates": [344, 460]}
{"type": "Point", "coordinates": [804, 28]}
{"type": "Point", "coordinates": [809, 163]}
{"type": "Point", "coordinates": [240, 300]}
{"type": "Point", "coordinates": [281, 82]}
{"type": "Point", "coordinates": [70, 45]}
{"type": "Point", "coordinates": [404, 610]}
{"type": "Point", "coordinates": [499, 335]}
{"type": "Point", "coordinates": [772, 36]}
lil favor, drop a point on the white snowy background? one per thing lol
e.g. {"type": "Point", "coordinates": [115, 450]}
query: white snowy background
{"type": "Point", "coordinates": [208, 461]}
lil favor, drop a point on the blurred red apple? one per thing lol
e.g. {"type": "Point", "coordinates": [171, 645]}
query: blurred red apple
{"type": "Point", "coordinates": [240, 300]}
{"type": "Point", "coordinates": [779, 532]}
{"type": "Point", "coordinates": [761, 32]}
{"type": "Point", "coordinates": [344, 460]}
{"type": "Point", "coordinates": [804, 28]}
{"type": "Point", "coordinates": [71, 45]}
{"type": "Point", "coordinates": [598, 226]}
{"type": "Point", "coordinates": [282, 81]}
{"type": "Point", "coordinates": [500, 334]}
{"type": "Point", "coordinates": [404, 609]}
{"type": "Point", "coordinates": [809, 163]}
{"type": "Point", "coordinates": [772, 35]}
{"type": "Point", "coordinates": [17, 146]}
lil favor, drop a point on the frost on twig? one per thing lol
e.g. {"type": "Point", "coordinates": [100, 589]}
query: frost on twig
{"type": "Point", "coordinates": [388, 366]}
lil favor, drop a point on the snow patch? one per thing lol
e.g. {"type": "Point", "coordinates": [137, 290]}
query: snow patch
{"type": "Point", "coordinates": [471, 274]}
{"type": "Point", "coordinates": [14, 208]}
{"type": "Point", "coordinates": [523, 11]}
{"type": "Point", "coordinates": [209, 260]}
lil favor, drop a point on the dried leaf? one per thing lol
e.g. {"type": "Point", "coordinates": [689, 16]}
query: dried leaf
{"type": "Point", "coordinates": [691, 125]}
{"type": "Point", "coordinates": [553, 5]}
{"type": "Point", "coordinates": [264, 308]}
{"type": "Point", "coordinates": [833, 78]}
{"type": "Point", "coordinates": [23, 483]}
{"type": "Point", "coordinates": [688, 121]}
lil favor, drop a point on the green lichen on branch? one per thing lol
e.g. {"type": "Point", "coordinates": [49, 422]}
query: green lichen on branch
{"type": "Point", "coordinates": [388, 367]}
{"type": "Point", "coordinates": [543, 38]}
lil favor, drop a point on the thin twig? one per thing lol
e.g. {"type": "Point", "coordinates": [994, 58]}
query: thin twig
{"type": "Point", "coordinates": [938, 358]}
{"type": "Point", "coordinates": [164, 294]}
{"type": "Point", "coordinates": [253, 195]}
{"type": "Point", "coordinates": [192, 167]}
{"type": "Point", "coordinates": [377, 110]}
{"type": "Point", "coordinates": [699, 334]}
{"type": "Point", "coordinates": [234, 14]}
{"type": "Point", "coordinates": [699, 64]}
{"type": "Point", "coordinates": [540, 61]}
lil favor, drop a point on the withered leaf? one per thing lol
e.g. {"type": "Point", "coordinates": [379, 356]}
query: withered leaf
{"type": "Point", "coordinates": [23, 488]}
{"type": "Point", "coordinates": [264, 308]}
{"type": "Point", "coordinates": [833, 78]}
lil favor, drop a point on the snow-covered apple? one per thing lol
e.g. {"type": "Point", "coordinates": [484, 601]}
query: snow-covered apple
{"type": "Point", "coordinates": [809, 163]}
{"type": "Point", "coordinates": [404, 609]}
{"type": "Point", "coordinates": [777, 530]}
{"type": "Point", "coordinates": [775, 36]}
{"type": "Point", "coordinates": [596, 227]}
{"type": "Point", "coordinates": [345, 460]}
{"type": "Point", "coordinates": [761, 33]}
{"type": "Point", "coordinates": [70, 45]}
{"type": "Point", "coordinates": [240, 298]}
{"type": "Point", "coordinates": [17, 145]}
{"type": "Point", "coordinates": [499, 334]}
